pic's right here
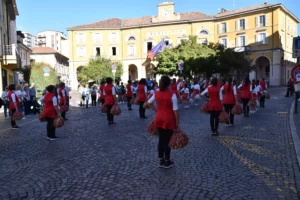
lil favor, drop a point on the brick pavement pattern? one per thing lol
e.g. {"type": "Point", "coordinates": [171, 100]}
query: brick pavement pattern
{"type": "Point", "coordinates": [253, 160]}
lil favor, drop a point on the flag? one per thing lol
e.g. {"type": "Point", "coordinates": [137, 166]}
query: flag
{"type": "Point", "coordinates": [158, 48]}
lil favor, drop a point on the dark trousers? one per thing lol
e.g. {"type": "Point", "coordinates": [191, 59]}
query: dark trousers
{"type": "Point", "coordinates": [164, 150]}
{"type": "Point", "coordinates": [63, 115]}
{"type": "Point", "coordinates": [6, 108]}
{"type": "Point", "coordinates": [94, 102]}
{"type": "Point", "coordinates": [102, 101]}
{"type": "Point", "coordinates": [12, 122]}
{"type": "Point", "coordinates": [290, 91]}
{"type": "Point", "coordinates": [82, 101]}
{"type": "Point", "coordinates": [228, 108]}
{"type": "Point", "coordinates": [262, 101]}
{"type": "Point", "coordinates": [128, 102]}
{"type": "Point", "coordinates": [27, 105]}
{"type": "Point", "coordinates": [245, 106]}
{"type": "Point", "coordinates": [142, 110]}
{"type": "Point", "coordinates": [110, 117]}
{"type": "Point", "coordinates": [50, 128]}
{"type": "Point", "coordinates": [214, 120]}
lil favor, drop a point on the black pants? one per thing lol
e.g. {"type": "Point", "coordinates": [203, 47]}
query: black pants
{"type": "Point", "coordinates": [63, 115]}
{"type": "Point", "coordinates": [142, 109]}
{"type": "Point", "coordinates": [262, 101]}
{"type": "Point", "coordinates": [296, 101]}
{"type": "Point", "coordinates": [245, 106]}
{"type": "Point", "coordinates": [82, 101]}
{"type": "Point", "coordinates": [110, 117]}
{"type": "Point", "coordinates": [94, 102]}
{"type": "Point", "coordinates": [214, 120]}
{"type": "Point", "coordinates": [102, 101]}
{"type": "Point", "coordinates": [228, 108]}
{"type": "Point", "coordinates": [290, 91]}
{"type": "Point", "coordinates": [164, 150]}
{"type": "Point", "coordinates": [50, 128]}
{"type": "Point", "coordinates": [12, 122]}
{"type": "Point", "coordinates": [128, 102]}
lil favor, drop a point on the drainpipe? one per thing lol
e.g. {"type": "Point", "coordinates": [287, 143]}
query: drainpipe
{"type": "Point", "coordinates": [272, 39]}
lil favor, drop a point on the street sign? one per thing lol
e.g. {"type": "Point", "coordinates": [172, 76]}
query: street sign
{"type": "Point", "coordinates": [296, 47]}
{"type": "Point", "coordinates": [296, 73]}
{"type": "Point", "coordinates": [114, 69]}
{"type": "Point", "coordinates": [46, 71]}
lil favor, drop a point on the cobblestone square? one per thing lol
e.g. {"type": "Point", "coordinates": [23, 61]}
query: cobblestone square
{"type": "Point", "coordinates": [256, 159]}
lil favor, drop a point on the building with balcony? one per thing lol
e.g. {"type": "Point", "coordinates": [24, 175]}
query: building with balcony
{"type": "Point", "coordinates": [265, 31]}
{"type": "Point", "coordinates": [53, 39]}
{"type": "Point", "coordinates": [23, 57]}
{"type": "Point", "coordinates": [58, 61]}
{"type": "Point", "coordinates": [9, 62]}
{"type": "Point", "coordinates": [30, 40]}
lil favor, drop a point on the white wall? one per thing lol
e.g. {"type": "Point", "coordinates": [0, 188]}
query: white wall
{"type": "Point", "coordinates": [65, 48]}
{"type": "Point", "coordinates": [56, 43]}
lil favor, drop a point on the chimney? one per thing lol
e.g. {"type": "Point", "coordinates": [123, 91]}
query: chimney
{"type": "Point", "coordinates": [223, 10]}
{"type": "Point", "coordinates": [266, 3]}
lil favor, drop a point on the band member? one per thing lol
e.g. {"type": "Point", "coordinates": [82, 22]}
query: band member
{"type": "Point", "coordinates": [166, 120]}
{"type": "Point", "coordinates": [264, 87]}
{"type": "Point", "coordinates": [229, 99]}
{"type": "Point", "coordinates": [14, 104]}
{"type": "Point", "coordinates": [215, 105]}
{"type": "Point", "coordinates": [110, 100]}
{"type": "Point", "coordinates": [246, 90]}
{"type": "Point", "coordinates": [62, 99]}
{"type": "Point", "coordinates": [129, 94]}
{"type": "Point", "coordinates": [142, 97]}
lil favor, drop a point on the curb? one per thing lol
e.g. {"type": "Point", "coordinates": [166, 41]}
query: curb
{"type": "Point", "coordinates": [295, 135]}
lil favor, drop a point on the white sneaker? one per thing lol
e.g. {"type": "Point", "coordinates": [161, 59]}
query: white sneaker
{"type": "Point", "coordinates": [23, 118]}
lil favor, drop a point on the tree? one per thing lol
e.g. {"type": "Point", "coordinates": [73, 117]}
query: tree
{"type": "Point", "coordinates": [98, 69]}
{"type": "Point", "coordinates": [37, 76]}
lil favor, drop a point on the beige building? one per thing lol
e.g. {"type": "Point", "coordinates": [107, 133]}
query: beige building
{"type": "Point", "coordinates": [265, 31]}
{"type": "Point", "coordinates": [9, 54]}
{"type": "Point", "coordinates": [53, 39]}
{"type": "Point", "coordinates": [58, 61]}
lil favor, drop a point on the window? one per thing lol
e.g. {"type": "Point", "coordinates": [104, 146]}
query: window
{"type": "Point", "coordinates": [262, 21]}
{"type": "Point", "coordinates": [98, 52]}
{"type": "Point", "coordinates": [52, 46]}
{"type": "Point", "coordinates": [149, 46]}
{"type": "Point", "coordinates": [203, 41]}
{"type": "Point", "coordinates": [224, 42]}
{"type": "Point", "coordinates": [97, 37]}
{"type": "Point", "coordinates": [131, 38]}
{"type": "Point", "coordinates": [204, 32]}
{"type": "Point", "coordinates": [113, 37]}
{"type": "Point", "coordinates": [114, 51]}
{"type": "Point", "coordinates": [223, 28]}
{"type": "Point", "coordinates": [131, 50]}
{"type": "Point", "coordinates": [262, 38]}
{"type": "Point", "coordinates": [81, 51]}
{"type": "Point", "coordinates": [242, 24]}
{"type": "Point", "coordinates": [80, 37]}
{"type": "Point", "coordinates": [242, 41]}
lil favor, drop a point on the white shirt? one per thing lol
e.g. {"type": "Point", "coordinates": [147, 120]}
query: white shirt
{"type": "Point", "coordinates": [145, 89]}
{"type": "Point", "coordinates": [20, 94]}
{"type": "Point", "coordinates": [67, 89]}
{"type": "Point", "coordinates": [151, 92]}
{"type": "Point", "coordinates": [257, 89]}
{"type": "Point", "coordinates": [221, 92]}
{"type": "Point", "coordinates": [179, 86]}
{"type": "Point", "coordinates": [196, 87]}
{"type": "Point", "coordinates": [174, 101]}
{"type": "Point", "coordinates": [5, 96]}
{"type": "Point", "coordinates": [133, 89]}
{"type": "Point", "coordinates": [113, 91]}
{"type": "Point", "coordinates": [13, 97]}
{"type": "Point", "coordinates": [54, 100]}
{"type": "Point", "coordinates": [241, 85]}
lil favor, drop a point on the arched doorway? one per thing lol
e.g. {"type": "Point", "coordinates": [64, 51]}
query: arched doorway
{"type": "Point", "coordinates": [79, 77]}
{"type": "Point", "coordinates": [133, 72]}
{"type": "Point", "coordinates": [262, 64]}
{"type": "Point", "coordinates": [149, 71]}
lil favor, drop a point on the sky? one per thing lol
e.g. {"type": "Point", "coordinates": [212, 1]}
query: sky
{"type": "Point", "coordinates": [40, 15]}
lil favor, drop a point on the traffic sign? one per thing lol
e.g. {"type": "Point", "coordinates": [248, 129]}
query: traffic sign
{"type": "Point", "coordinates": [296, 73]}
{"type": "Point", "coordinates": [114, 67]}
{"type": "Point", "coordinates": [46, 71]}
{"type": "Point", "coordinates": [296, 47]}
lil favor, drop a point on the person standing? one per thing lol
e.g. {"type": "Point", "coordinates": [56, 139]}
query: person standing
{"type": "Point", "coordinates": [214, 106]}
{"type": "Point", "coordinates": [110, 100]}
{"type": "Point", "coordinates": [68, 95]}
{"type": "Point", "coordinates": [6, 103]}
{"type": "Point", "coordinates": [94, 95]}
{"type": "Point", "coordinates": [246, 95]}
{"type": "Point", "coordinates": [185, 96]}
{"type": "Point", "coordinates": [142, 97]}
{"type": "Point", "coordinates": [101, 92]}
{"type": "Point", "coordinates": [26, 100]}
{"type": "Point", "coordinates": [129, 94]}
{"type": "Point", "coordinates": [32, 93]}
{"type": "Point", "coordinates": [62, 99]}
{"type": "Point", "coordinates": [264, 87]}
{"type": "Point", "coordinates": [290, 88]}
{"type": "Point", "coordinates": [82, 94]}
{"type": "Point", "coordinates": [50, 111]}
{"type": "Point", "coordinates": [166, 120]}
{"type": "Point", "coordinates": [229, 99]}
{"type": "Point", "coordinates": [196, 92]}
{"type": "Point", "coordinates": [87, 93]}
{"type": "Point", "coordinates": [174, 87]}
{"type": "Point", "coordinates": [20, 94]}
{"type": "Point", "coordinates": [14, 104]}
{"type": "Point", "coordinates": [134, 89]}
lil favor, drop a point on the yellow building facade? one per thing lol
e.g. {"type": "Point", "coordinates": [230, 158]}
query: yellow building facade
{"type": "Point", "coordinates": [265, 31]}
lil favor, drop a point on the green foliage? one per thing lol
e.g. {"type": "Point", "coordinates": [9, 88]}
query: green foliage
{"type": "Point", "coordinates": [202, 60]}
{"type": "Point", "coordinates": [37, 76]}
{"type": "Point", "coordinates": [99, 69]}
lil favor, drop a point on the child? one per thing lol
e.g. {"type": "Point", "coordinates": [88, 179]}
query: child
{"type": "Point", "coordinates": [185, 95]}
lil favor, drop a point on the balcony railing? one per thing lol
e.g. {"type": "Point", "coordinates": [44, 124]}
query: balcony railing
{"type": "Point", "coordinates": [242, 49]}
{"type": "Point", "coordinates": [9, 50]}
